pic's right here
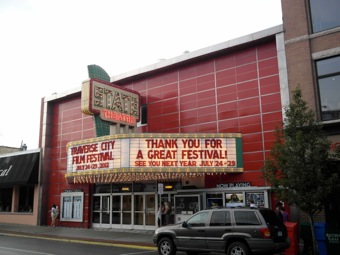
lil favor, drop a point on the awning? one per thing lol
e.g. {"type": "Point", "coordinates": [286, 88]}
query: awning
{"type": "Point", "coordinates": [128, 175]}
{"type": "Point", "coordinates": [21, 168]}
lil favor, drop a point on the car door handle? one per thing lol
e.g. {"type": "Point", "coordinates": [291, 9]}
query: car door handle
{"type": "Point", "coordinates": [227, 230]}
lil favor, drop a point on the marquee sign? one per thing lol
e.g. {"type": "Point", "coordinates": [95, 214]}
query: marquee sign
{"type": "Point", "coordinates": [150, 154]}
{"type": "Point", "coordinates": [114, 104]}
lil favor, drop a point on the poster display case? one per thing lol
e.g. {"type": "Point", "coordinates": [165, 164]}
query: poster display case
{"type": "Point", "coordinates": [185, 206]}
{"type": "Point", "coordinates": [214, 200]}
{"type": "Point", "coordinates": [72, 204]}
{"type": "Point", "coordinates": [235, 200]}
{"type": "Point", "coordinates": [257, 197]}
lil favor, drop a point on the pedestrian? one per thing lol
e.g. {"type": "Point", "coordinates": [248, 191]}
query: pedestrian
{"type": "Point", "coordinates": [284, 214]}
{"type": "Point", "coordinates": [167, 212]}
{"type": "Point", "coordinates": [278, 210]}
{"type": "Point", "coordinates": [54, 214]}
{"type": "Point", "coordinates": [160, 213]}
{"type": "Point", "coordinates": [167, 207]}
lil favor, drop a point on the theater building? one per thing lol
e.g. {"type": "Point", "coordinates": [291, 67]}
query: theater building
{"type": "Point", "coordinates": [192, 130]}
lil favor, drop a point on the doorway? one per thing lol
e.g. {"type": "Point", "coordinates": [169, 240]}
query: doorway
{"type": "Point", "coordinates": [101, 211]}
{"type": "Point", "coordinates": [124, 211]}
{"type": "Point", "coordinates": [144, 211]}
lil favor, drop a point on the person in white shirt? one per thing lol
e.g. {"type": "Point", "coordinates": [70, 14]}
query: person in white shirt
{"type": "Point", "coordinates": [54, 214]}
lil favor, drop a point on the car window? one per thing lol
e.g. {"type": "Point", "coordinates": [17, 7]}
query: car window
{"type": "Point", "coordinates": [220, 218]}
{"type": "Point", "coordinates": [271, 218]}
{"type": "Point", "coordinates": [198, 220]}
{"type": "Point", "coordinates": [246, 218]}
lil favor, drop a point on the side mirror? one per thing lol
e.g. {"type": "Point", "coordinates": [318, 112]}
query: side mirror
{"type": "Point", "coordinates": [184, 224]}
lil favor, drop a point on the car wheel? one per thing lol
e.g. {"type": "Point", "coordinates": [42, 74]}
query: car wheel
{"type": "Point", "coordinates": [166, 247]}
{"type": "Point", "coordinates": [238, 248]}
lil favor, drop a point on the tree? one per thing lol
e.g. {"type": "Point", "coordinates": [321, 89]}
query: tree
{"type": "Point", "coordinates": [300, 165]}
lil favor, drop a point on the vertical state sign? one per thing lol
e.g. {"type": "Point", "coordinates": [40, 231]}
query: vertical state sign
{"type": "Point", "coordinates": [112, 103]}
{"type": "Point", "coordinates": [156, 153]}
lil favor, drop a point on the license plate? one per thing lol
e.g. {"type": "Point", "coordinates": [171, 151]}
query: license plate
{"type": "Point", "coordinates": [279, 233]}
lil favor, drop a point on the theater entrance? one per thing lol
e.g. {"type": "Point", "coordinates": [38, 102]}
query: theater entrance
{"type": "Point", "coordinates": [124, 211]}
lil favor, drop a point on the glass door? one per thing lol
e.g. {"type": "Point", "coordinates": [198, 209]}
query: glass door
{"type": "Point", "coordinates": [150, 211]}
{"type": "Point", "coordinates": [126, 210]}
{"type": "Point", "coordinates": [101, 211]}
{"type": "Point", "coordinates": [116, 210]}
{"type": "Point", "coordinates": [144, 211]}
{"type": "Point", "coordinates": [121, 210]}
{"type": "Point", "coordinates": [139, 211]}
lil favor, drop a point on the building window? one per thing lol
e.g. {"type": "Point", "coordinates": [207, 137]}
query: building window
{"type": "Point", "coordinates": [324, 14]}
{"type": "Point", "coordinates": [6, 199]}
{"type": "Point", "coordinates": [328, 71]}
{"type": "Point", "coordinates": [72, 204]}
{"type": "Point", "coordinates": [143, 116]}
{"type": "Point", "coordinates": [26, 196]}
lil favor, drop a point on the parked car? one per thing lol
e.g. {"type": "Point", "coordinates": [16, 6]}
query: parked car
{"type": "Point", "coordinates": [231, 231]}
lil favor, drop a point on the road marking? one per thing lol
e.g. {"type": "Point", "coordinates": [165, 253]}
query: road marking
{"type": "Point", "coordinates": [35, 252]}
{"type": "Point", "coordinates": [141, 247]}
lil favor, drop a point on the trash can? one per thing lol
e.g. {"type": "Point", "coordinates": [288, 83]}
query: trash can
{"type": "Point", "coordinates": [293, 235]}
{"type": "Point", "coordinates": [333, 241]}
{"type": "Point", "coordinates": [320, 236]}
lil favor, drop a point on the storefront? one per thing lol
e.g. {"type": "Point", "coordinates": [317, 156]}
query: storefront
{"type": "Point", "coordinates": [138, 209]}
{"type": "Point", "coordinates": [19, 189]}
{"type": "Point", "coordinates": [192, 131]}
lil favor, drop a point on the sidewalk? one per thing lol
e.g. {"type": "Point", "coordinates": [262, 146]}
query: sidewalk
{"type": "Point", "coordinates": [141, 238]}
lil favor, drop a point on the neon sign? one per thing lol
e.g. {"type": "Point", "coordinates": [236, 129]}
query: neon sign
{"type": "Point", "coordinates": [114, 104]}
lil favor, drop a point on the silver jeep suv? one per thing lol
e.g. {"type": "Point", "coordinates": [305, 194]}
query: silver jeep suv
{"type": "Point", "coordinates": [231, 231]}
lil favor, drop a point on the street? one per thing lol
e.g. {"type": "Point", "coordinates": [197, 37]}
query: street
{"type": "Point", "coordinates": [14, 245]}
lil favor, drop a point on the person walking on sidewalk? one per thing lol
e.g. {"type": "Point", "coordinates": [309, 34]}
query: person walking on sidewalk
{"type": "Point", "coordinates": [160, 213]}
{"type": "Point", "coordinates": [54, 214]}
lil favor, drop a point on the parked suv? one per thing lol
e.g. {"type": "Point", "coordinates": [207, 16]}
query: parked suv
{"type": "Point", "coordinates": [231, 231]}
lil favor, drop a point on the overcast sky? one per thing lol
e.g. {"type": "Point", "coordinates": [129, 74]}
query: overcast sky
{"type": "Point", "coordinates": [45, 45]}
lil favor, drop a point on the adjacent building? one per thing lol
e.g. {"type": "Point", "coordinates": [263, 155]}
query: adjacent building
{"type": "Point", "coordinates": [19, 185]}
{"type": "Point", "coordinates": [312, 46]}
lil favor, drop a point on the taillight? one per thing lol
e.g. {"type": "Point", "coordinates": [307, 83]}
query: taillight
{"type": "Point", "coordinates": [265, 232]}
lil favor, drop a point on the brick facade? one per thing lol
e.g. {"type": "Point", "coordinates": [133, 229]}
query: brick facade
{"type": "Point", "coordinates": [303, 48]}
{"type": "Point", "coordinates": [234, 91]}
